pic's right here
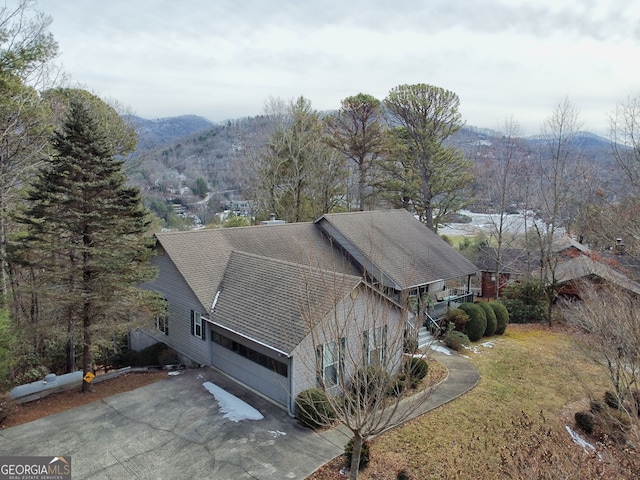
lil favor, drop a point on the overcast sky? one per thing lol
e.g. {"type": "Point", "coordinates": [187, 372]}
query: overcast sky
{"type": "Point", "coordinates": [223, 59]}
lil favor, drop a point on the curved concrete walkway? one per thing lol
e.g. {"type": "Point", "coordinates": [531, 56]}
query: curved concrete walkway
{"type": "Point", "coordinates": [462, 377]}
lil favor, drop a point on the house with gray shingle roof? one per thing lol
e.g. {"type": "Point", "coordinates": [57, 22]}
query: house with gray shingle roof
{"type": "Point", "coordinates": [274, 306]}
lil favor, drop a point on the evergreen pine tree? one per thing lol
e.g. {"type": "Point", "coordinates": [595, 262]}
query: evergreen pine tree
{"type": "Point", "coordinates": [86, 231]}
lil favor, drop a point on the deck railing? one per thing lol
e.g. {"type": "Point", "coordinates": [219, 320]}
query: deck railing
{"type": "Point", "coordinates": [454, 297]}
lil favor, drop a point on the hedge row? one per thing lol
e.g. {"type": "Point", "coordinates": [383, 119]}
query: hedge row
{"type": "Point", "coordinates": [477, 320]}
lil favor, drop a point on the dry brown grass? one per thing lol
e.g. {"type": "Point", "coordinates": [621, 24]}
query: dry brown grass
{"type": "Point", "coordinates": [512, 425]}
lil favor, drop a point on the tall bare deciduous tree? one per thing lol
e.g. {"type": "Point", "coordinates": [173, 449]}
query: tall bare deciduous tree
{"type": "Point", "coordinates": [625, 144]}
{"type": "Point", "coordinates": [506, 178]}
{"type": "Point", "coordinates": [625, 139]}
{"type": "Point", "coordinates": [359, 362]}
{"type": "Point", "coordinates": [560, 170]}
{"type": "Point", "coordinates": [357, 132]}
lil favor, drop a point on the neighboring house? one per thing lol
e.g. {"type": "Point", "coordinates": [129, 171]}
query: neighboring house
{"type": "Point", "coordinates": [574, 264]}
{"type": "Point", "coordinates": [500, 270]}
{"type": "Point", "coordinates": [258, 302]}
{"type": "Point", "coordinates": [572, 272]}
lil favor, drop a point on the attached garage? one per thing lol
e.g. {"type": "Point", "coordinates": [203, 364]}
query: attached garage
{"type": "Point", "coordinates": [262, 369]}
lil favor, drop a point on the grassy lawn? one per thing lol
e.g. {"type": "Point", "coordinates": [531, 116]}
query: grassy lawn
{"type": "Point", "coordinates": [513, 417]}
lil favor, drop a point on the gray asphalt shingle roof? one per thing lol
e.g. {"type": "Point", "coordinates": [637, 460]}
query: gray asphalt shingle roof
{"type": "Point", "coordinates": [582, 267]}
{"type": "Point", "coordinates": [513, 260]}
{"type": "Point", "coordinates": [276, 302]}
{"type": "Point", "coordinates": [395, 242]}
{"type": "Point", "coordinates": [201, 256]}
{"type": "Point", "coordinates": [263, 272]}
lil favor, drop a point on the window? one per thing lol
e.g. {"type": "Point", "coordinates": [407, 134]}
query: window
{"type": "Point", "coordinates": [374, 343]}
{"type": "Point", "coordinates": [330, 362]}
{"type": "Point", "coordinates": [162, 324]}
{"type": "Point", "coordinates": [162, 321]}
{"type": "Point", "coordinates": [277, 366]}
{"type": "Point", "coordinates": [197, 328]}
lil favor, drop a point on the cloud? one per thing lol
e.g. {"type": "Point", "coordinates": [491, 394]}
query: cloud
{"type": "Point", "coordinates": [223, 59]}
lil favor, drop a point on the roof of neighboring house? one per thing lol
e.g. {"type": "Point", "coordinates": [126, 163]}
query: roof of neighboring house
{"type": "Point", "coordinates": [623, 263]}
{"type": "Point", "coordinates": [395, 243]}
{"type": "Point", "coordinates": [563, 242]}
{"type": "Point", "coordinates": [513, 261]}
{"type": "Point", "coordinates": [260, 298]}
{"type": "Point", "coordinates": [582, 267]}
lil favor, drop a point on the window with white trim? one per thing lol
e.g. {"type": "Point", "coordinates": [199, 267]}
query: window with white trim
{"type": "Point", "coordinates": [162, 324]}
{"type": "Point", "coordinates": [197, 327]}
{"type": "Point", "coordinates": [374, 343]}
{"type": "Point", "coordinates": [329, 357]}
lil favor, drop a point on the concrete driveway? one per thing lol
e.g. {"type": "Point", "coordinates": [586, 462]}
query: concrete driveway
{"type": "Point", "coordinates": [174, 429]}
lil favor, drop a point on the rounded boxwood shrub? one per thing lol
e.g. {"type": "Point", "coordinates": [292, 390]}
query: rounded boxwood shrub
{"type": "Point", "coordinates": [455, 340]}
{"type": "Point", "coordinates": [365, 454]}
{"type": "Point", "coordinates": [417, 369]}
{"type": "Point", "coordinates": [313, 408]}
{"type": "Point", "coordinates": [502, 317]}
{"type": "Point", "coordinates": [584, 421]}
{"type": "Point", "coordinates": [492, 321]}
{"type": "Point", "coordinates": [477, 323]}
{"type": "Point", "coordinates": [455, 316]}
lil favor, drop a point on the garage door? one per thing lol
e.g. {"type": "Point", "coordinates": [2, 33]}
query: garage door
{"type": "Point", "coordinates": [251, 373]}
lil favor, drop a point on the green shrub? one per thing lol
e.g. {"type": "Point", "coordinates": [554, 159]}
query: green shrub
{"type": "Point", "coordinates": [502, 317]}
{"type": "Point", "coordinates": [526, 302]}
{"type": "Point", "coordinates": [584, 421]}
{"type": "Point", "coordinates": [492, 321]}
{"type": "Point", "coordinates": [403, 475]}
{"type": "Point", "coordinates": [371, 381]}
{"type": "Point", "coordinates": [456, 316]}
{"type": "Point", "coordinates": [365, 454]}
{"type": "Point", "coordinates": [313, 408]}
{"type": "Point", "coordinates": [455, 340]}
{"type": "Point", "coordinates": [477, 323]}
{"type": "Point", "coordinates": [417, 369]}
{"type": "Point", "coordinates": [612, 400]}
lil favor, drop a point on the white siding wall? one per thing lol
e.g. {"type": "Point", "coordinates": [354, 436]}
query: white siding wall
{"type": "Point", "coordinates": [353, 317]}
{"type": "Point", "coordinates": [181, 300]}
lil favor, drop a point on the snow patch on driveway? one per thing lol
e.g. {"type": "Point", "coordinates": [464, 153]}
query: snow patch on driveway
{"type": "Point", "coordinates": [233, 408]}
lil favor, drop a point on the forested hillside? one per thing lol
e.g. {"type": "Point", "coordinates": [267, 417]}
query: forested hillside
{"type": "Point", "coordinates": [186, 159]}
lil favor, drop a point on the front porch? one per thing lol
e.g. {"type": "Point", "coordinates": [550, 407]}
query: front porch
{"type": "Point", "coordinates": [437, 305]}
{"type": "Point", "coordinates": [445, 300]}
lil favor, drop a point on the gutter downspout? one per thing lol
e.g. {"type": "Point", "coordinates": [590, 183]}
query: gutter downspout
{"type": "Point", "coordinates": [290, 410]}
